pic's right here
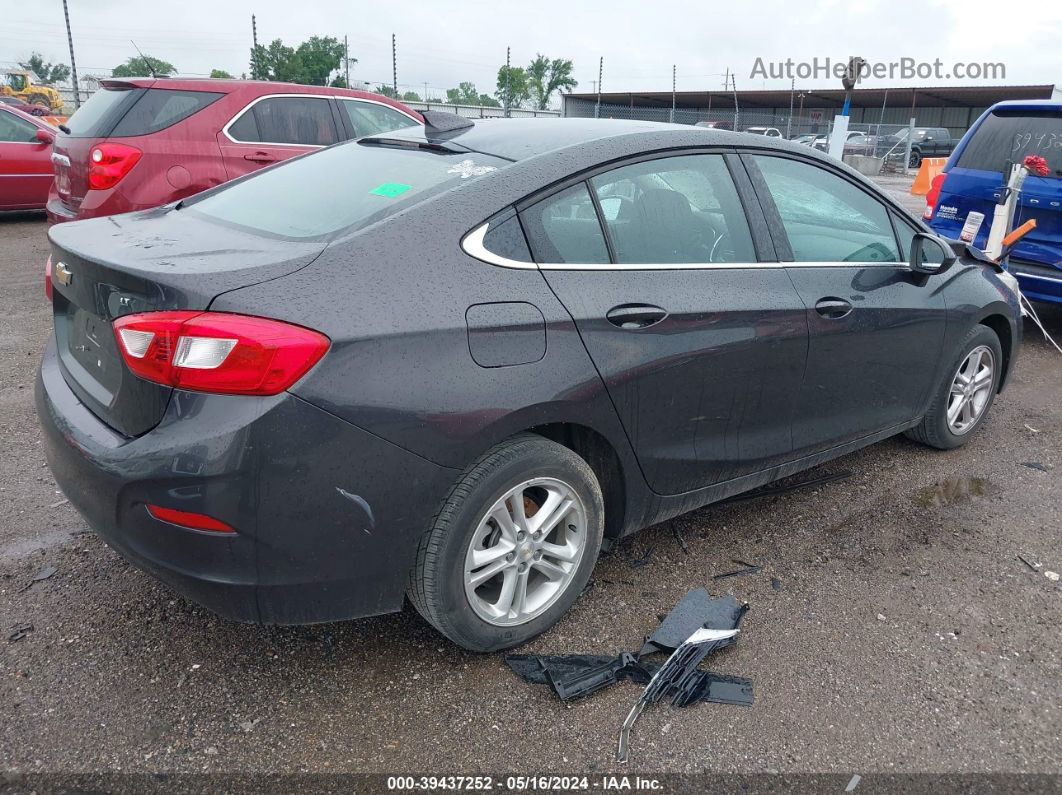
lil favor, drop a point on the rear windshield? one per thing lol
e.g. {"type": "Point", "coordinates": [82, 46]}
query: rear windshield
{"type": "Point", "coordinates": [96, 117]}
{"type": "Point", "coordinates": [122, 112]}
{"type": "Point", "coordinates": [345, 187]}
{"type": "Point", "coordinates": [159, 108]}
{"type": "Point", "coordinates": [1011, 136]}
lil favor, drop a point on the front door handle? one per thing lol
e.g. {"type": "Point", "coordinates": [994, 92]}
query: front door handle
{"type": "Point", "coordinates": [261, 157]}
{"type": "Point", "coordinates": [635, 316]}
{"type": "Point", "coordinates": [833, 308]}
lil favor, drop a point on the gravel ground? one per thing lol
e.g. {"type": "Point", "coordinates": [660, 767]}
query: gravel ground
{"type": "Point", "coordinates": [904, 633]}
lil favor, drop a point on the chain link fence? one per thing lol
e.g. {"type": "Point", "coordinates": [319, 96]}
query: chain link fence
{"type": "Point", "coordinates": [871, 137]}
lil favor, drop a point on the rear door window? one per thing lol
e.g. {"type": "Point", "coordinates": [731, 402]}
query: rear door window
{"type": "Point", "coordinates": [564, 229]}
{"type": "Point", "coordinates": [826, 217]}
{"type": "Point", "coordinates": [302, 121]}
{"type": "Point", "coordinates": [160, 108]}
{"type": "Point", "coordinates": [674, 210]}
{"type": "Point", "coordinates": [373, 118]}
{"type": "Point", "coordinates": [1010, 136]}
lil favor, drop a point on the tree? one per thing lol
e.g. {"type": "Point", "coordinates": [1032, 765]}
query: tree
{"type": "Point", "coordinates": [512, 86]}
{"type": "Point", "coordinates": [464, 94]}
{"type": "Point", "coordinates": [386, 90]}
{"type": "Point", "coordinates": [545, 76]}
{"type": "Point", "coordinates": [318, 57]}
{"type": "Point", "coordinates": [220, 74]}
{"type": "Point", "coordinates": [411, 96]}
{"type": "Point", "coordinates": [48, 72]}
{"type": "Point", "coordinates": [143, 66]}
{"type": "Point", "coordinates": [311, 63]}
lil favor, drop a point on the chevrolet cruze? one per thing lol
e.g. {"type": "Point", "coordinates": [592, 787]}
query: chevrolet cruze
{"type": "Point", "coordinates": [446, 362]}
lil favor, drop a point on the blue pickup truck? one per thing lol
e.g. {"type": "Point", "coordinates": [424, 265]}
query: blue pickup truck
{"type": "Point", "coordinates": [972, 181]}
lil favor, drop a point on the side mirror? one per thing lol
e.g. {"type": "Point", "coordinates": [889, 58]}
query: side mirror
{"type": "Point", "coordinates": [45, 137]}
{"type": "Point", "coordinates": [930, 254]}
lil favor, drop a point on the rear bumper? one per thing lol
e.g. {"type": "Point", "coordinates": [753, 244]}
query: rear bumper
{"type": "Point", "coordinates": [327, 515]}
{"type": "Point", "coordinates": [1038, 282]}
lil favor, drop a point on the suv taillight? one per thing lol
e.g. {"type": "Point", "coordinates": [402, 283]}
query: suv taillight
{"type": "Point", "coordinates": [933, 196]}
{"type": "Point", "coordinates": [109, 163]}
{"type": "Point", "coordinates": [218, 352]}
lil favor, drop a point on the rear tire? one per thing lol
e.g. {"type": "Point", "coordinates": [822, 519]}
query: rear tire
{"type": "Point", "coordinates": [958, 410]}
{"type": "Point", "coordinates": [915, 161]}
{"type": "Point", "coordinates": [488, 574]}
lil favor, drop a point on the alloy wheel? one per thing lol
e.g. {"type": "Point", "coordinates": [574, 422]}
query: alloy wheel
{"type": "Point", "coordinates": [971, 389]}
{"type": "Point", "coordinates": [525, 551]}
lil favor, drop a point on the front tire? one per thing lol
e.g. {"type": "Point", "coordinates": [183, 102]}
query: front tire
{"type": "Point", "coordinates": [512, 547]}
{"type": "Point", "coordinates": [965, 394]}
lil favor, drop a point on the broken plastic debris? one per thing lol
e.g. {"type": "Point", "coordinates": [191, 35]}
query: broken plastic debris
{"type": "Point", "coordinates": [1051, 575]}
{"type": "Point", "coordinates": [748, 568]}
{"type": "Point", "coordinates": [673, 675]}
{"type": "Point", "coordinates": [575, 675]}
{"type": "Point", "coordinates": [20, 631]}
{"type": "Point", "coordinates": [696, 610]}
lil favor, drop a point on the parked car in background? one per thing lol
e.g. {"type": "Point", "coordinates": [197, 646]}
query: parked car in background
{"type": "Point", "coordinates": [715, 125]}
{"type": "Point", "coordinates": [806, 139]}
{"type": "Point", "coordinates": [445, 361]}
{"type": "Point", "coordinates": [142, 142]}
{"type": "Point", "coordinates": [770, 132]}
{"type": "Point", "coordinates": [1006, 133]}
{"type": "Point", "coordinates": [927, 142]}
{"type": "Point", "coordinates": [822, 140]}
{"type": "Point", "coordinates": [25, 160]}
{"type": "Point", "coordinates": [25, 107]}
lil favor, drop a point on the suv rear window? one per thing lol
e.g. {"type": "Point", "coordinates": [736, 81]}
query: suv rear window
{"type": "Point", "coordinates": [96, 117]}
{"type": "Point", "coordinates": [135, 111]}
{"type": "Point", "coordinates": [160, 108]}
{"type": "Point", "coordinates": [1011, 136]}
{"type": "Point", "coordinates": [345, 187]}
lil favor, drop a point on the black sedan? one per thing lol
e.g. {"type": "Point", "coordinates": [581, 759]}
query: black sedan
{"type": "Point", "coordinates": [448, 361]}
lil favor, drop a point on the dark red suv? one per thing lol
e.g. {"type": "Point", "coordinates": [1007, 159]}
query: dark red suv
{"type": "Point", "coordinates": [144, 142]}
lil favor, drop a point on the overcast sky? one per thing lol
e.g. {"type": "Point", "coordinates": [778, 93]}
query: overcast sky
{"type": "Point", "coordinates": [442, 44]}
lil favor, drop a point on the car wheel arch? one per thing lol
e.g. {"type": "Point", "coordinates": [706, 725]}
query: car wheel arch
{"type": "Point", "coordinates": [1000, 326]}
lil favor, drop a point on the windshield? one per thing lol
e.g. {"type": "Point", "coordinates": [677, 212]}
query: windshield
{"type": "Point", "coordinates": [345, 187]}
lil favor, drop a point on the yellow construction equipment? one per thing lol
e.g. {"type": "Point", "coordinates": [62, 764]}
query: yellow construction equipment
{"type": "Point", "coordinates": [18, 83]}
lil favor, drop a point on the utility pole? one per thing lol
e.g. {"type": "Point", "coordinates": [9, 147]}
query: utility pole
{"type": "Point", "coordinates": [254, 52]}
{"type": "Point", "coordinates": [394, 65]}
{"type": "Point", "coordinates": [346, 61]}
{"type": "Point", "coordinates": [733, 84]}
{"type": "Point", "coordinates": [672, 93]}
{"type": "Point", "coordinates": [508, 82]}
{"type": "Point", "coordinates": [600, 71]}
{"type": "Point", "coordinates": [789, 121]}
{"type": "Point", "coordinates": [73, 66]}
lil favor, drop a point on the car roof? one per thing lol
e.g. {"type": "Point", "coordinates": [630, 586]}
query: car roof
{"type": "Point", "coordinates": [1028, 104]}
{"type": "Point", "coordinates": [519, 139]}
{"type": "Point", "coordinates": [252, 88]}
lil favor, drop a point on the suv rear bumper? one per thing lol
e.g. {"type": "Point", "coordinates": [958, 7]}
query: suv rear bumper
{"type": "Point", "coordinates": [327, 515]}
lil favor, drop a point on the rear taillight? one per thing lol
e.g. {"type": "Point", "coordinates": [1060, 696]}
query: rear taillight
{"type": "Point", "coordinates": [48, 289]}
{"type": "Point", "coordinates": [218, 352]}
{"type": "Point", "coordinates": [195, 521]}
{"type": "Point", "coordinates": [109, 162]}
{"type": "Point", "coordinates": [933, 196]}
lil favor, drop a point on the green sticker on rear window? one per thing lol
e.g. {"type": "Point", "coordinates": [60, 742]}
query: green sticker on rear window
{"type": "Point", "coordinates": [390, 189]}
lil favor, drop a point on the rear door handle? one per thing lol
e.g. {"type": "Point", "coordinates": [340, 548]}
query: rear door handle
{"type": "Point", "coordinates": [261, 157]}
{"type": "Point", "coordinates": [833, 308]}
{"type": "Point", "coordinates": [635, 316]}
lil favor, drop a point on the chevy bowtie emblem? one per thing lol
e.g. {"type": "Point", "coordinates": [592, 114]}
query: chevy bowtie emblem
{"type": "Point", "coordinates": [63, 274]}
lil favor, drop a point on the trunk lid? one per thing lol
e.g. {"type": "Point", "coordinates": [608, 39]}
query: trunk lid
{"type": "Point", "coordinates": [156, 260]}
